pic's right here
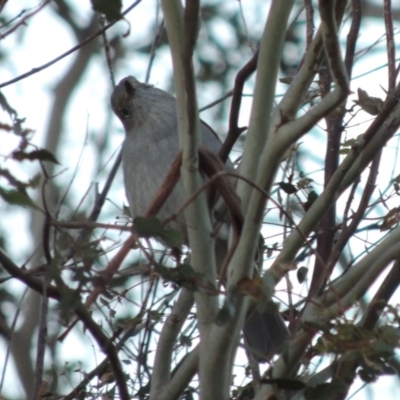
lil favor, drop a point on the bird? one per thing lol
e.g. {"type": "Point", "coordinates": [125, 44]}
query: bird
{"type": "Point", "coordinates": [149, 118]}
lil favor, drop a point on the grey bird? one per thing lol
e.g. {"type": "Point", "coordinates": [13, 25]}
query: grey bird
{"type": "Point", "coordinates": [149, 118]}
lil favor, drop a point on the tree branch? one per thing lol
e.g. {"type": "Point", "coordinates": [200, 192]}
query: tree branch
{"type": "Point", "coordinates": [80, 310]}
{"type": "Point", "coordinates": [160, 378]}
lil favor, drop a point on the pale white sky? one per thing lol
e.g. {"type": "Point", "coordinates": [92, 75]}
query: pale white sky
{"type": "Point", "coordinates": [45, 38]}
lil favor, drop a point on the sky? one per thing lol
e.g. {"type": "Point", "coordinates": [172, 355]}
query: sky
{"type": "Point", "coordinates": [44, 38]}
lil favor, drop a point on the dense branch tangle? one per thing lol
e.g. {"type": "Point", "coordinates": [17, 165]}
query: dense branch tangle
{"type": "Point", "coordinates": [273, 130]}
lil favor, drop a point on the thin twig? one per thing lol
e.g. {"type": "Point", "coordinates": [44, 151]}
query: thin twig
{"type": "Point", "coordinates": [70, 51]}
{"type": "Point", "coordinates": [390, 44]}
{"type": "Point", "coordinates": [44, 308]}
{"type": "Point", "coordinates": [80, 310]}
{"type": "Point", "coordinates": [234, 130]}
{"type": "Point", "coordinates": [23, 20]}
{"type": "Point", "coordinates": [107, 51]}
{"type": "Point", "coordinates": [352, 36]}
{"type": "Point", "coordinates": [348, 231]}
{"type": "Point", "coordinates": [154, 46]}
{"type": "Point", "coordinates": [12, 330]}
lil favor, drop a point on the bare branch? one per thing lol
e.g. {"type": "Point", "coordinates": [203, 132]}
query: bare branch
{"type": "Point", "coordinates": [102, 340]}
{"type": "Point", "coordinates": [390, 44]}
{"type": "Point", "coordinates": [171, 329]}
{"type": "Point", "coordinates": [70, 51]}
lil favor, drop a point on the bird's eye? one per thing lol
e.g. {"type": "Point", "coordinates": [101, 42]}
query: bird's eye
{"type": "Point", "coordinates": [124, 112]}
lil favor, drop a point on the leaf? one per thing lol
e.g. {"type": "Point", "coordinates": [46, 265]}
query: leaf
{"type": "Point", "coordinates": [182, 275]}
{"type": "Point", "coordinates": [382, 348]}
{"type": "Point", "coordinates": [34, 182]}
{"type": "Point", "coordinates": [41, 155]}
{"type": "Point", "coordinates": [130, 323]}
{"type": "Point", "coordinates": [104, 302]}
{"type": "Point", "coordinates": [18, 198]}
{"type": "Point", "coordinates": [152, 227]}
{"type": "Point", "coordinates": [110, 8]}
{"type": "Point", "coordinates": [287, 79]}
{"type": "Point", "coordinates": [391, 219]}
{"type": "Point", "coordinates": [126, 211]}
{"type": "Point", "coordinates": [336, 389]}
{"type": "Point", "coordinates": [286, 384]}
{"type": "Point", "coordinates": [371, 105]}
{"type": "Point", "coordinates": [188, 395]}
{"type": "Point", "coordinates": [304, 183]}
{"type": "Point", "coordinates": [148, 226]}
{"type": "Point", "coordinates": [106, 378]}
{"type": "Point", "coordinates": [366, 376]}
{"type": "Point", "coordinates": [390, 334]}
{"type": "Point", "coordinates": [185, 340]}
{"type": "Point", "coordinates": [288, 187]}
{"type": "Point", "coordinates": [155, 315]}
{"type": "Point", "coordinates": [302, 274]}
{"type": "Point", "coordinates": [312, 196]}
{"type": "Point", "coordinates": [172, 237]}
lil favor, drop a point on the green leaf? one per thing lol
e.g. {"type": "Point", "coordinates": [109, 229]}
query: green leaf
{"type": "Point", "coordinates": [18, 198]}
{"type": "Point", "coordinates": [302, 274]}
{"type": "Point", "coordinates": [34, 182]}
{"type": "Point", "coordinates": [155, 315]}
{"type": "Point", "coordinates": [287, 187]}
{"type": "Point", "coordinates": [152, 227]}
{"type": "Point", "coordinates": [127, 211]}
{"type": "Point", "coordinates": [382, 348]}
{"type": "Point", "coordinates": [148, 227]}
{"type": "Point", "coordinates": [173, 238]}
{"type": "Point", "coordinates": [371, 105]}
{"type": "Point", "coordinates": [304, 183]}
{"type": "Point", "coordinates": [110, 8]}
{"type": "Point", "coordinates": [185, 340]}
{"type": "Point", "coordinates": [182, 274]}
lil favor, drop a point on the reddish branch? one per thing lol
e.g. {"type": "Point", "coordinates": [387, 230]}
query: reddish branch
{"type": "Point", "coordinates": [349, 363]}
{"type": "Point", "coordinates": [80, 310]}
{"type": "Point", "coordinates": [348, 231]}
{"type": "Point", "coordinates": [23, 20]}
{"type": "Point", "coordinates": [234, 130]}
{"type": "Point", "coordinates": [100, 284]}
{"type": "Point", "coordinates": [334, 122]}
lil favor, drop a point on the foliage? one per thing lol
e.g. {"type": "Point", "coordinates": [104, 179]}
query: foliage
{"type": "Point", "coordinates": [306, 116]}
